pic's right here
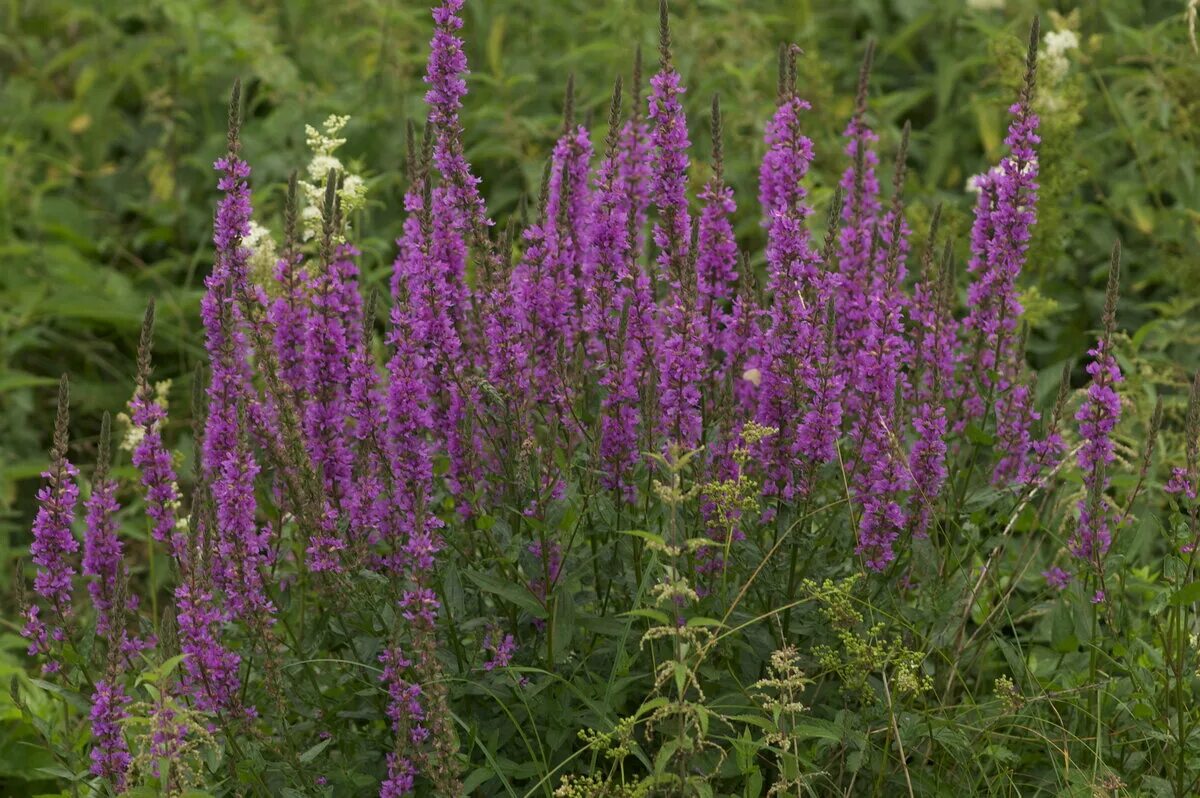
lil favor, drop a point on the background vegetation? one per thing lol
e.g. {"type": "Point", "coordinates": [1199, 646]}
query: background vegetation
{"type": "Point", "coordinates": [114, 112]}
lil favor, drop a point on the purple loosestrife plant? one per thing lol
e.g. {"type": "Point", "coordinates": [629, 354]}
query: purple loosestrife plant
{"type": "Point", "coordinates": [241, 549]}
{"type": "Point", "coordinates": [1004, 216]}
{"type": "Point", "coordinates": [102, 556]}
{"type": "Point", "coordinates": [568, 204]}
{"type": "Point", "coordinates": [1098, 417]}
{"type": "Point", "coordinates": [608, 253]}
{"type": "Point", "coordinates": [790, 348]}
{"type": "Point", "coordinates": [150, 454]}
{"type": "Point", "coordinates": [680, 335]}
{"type": "Point", "coordinates": [934, 331]}
{"type": "Point", "coordinates": [860, 216]}
{"type": "Point", "coordinates": [54, 546]}
{"type": "Point", "coordinates": [110, 752]}
{"type": "Point", "coordinates": [880, 477]}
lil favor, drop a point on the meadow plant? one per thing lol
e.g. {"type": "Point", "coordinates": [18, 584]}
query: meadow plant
{"type": "Point", "coordinates": [594, 504]}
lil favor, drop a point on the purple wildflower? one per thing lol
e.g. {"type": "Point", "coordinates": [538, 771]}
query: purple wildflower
{"type": "Point", "coordinates": [716, 256]}
{"type": "Point", "coordinates": [334, 320]}
{"type": "Point", "coordinates": [229, 462]}
{"type": "Point", "coordinates": [880, 475]}
{"type": "Point", "coordinates": [860, 217]}
{"type": "Point", "coordinates": [151, 455]}
{"type": "Point", "coordinates": [110, 753]}
{"type": "Point", "coordinates": [679, 338]}
{"type": "Point", "coordinates": [1180, 483]}
{"type": "Point", "coordinates": [210, 671]}
{"type": "Point", "coordinates": [1004, 216]}
{"type": "Point", "coordinates": [401, 778]}
{"type": "Point", "coordinates": [612, 283]}
{"type": "Point", "coordinates": [1057, 578]}
{"type": "Point", "coordinates": [54, 545]}
{"type": "Point", "coordinates": [102, 547]}
{"type": "Point", "coordinates": [1098, 417]}
{"type": "Point", "coordinates": [934, 330]}
{"type": "Point", "coordinates": [788, 353]}
{"type": "Point", "coordinates": [500, 648]}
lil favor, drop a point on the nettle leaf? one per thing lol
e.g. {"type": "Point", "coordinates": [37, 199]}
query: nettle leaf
{"type": "Point", "coordinates": [1188, 594]}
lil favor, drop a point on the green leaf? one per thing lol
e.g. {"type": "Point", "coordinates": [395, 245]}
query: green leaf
{"type": "Point", "coordinates": [702, 621]}
{"type": "Point", "coordinates": [1187, 594]}
{"type": "Point", "coordinates": [644, 535]}
{"type": "Point", "coordinates": [160, 672]}
{"type": "Point", "coordinates": [315, 751]}
{"type": "Point", "coordinates": [516, 594]}
{"type": "Point", "coordinates": [658, 616]}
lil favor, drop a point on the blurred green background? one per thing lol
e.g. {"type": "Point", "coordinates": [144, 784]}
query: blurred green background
{"type": "Point", "coordinates": [114, 111]}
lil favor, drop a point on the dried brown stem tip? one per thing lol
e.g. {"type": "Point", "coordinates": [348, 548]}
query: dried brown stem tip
{"type": "Point", "coordinates": [935, 221]}
{"type": "Point", "coordinates": [614, 118]}
{"type": "Point", "coordinates": [145, 345]}
{"type": "Point", "coordinates": [832, 223]}
{"type": "Point", "coordinates": [864, 79]}
{"type": "Point", "coordinates": [781, 88]}
{"type": "Point", "coordinates": [1111, 292]}
{"type": "Point", "coordinates": [637, 82]}
{"type": "Point", "coordinates": [1035, 30]}
{"type": "Point", "coordinates": [291, 210]}
{"type": "Point", "coordinates": [61, 419]}
{"type": "Point", "coordinates": [902, 159]}
{"type": "Point", "coordinates": [410, 151]}
{"type": "Point", "coordinates": [544, 189]}
{"type": "Point", "coordinates": [235, 114]}
{"type": "Point", "coordinates": [664, 34]}
{"type": "Point", "coordinates": [718, 148]}
{"type": "Point", "coordinates": [569, 105]}
{"type": "Point", "coordinates": [104, 449]}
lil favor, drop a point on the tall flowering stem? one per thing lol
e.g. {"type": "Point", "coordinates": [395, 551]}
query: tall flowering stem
{"type": "Point", "coordinates": [716, 255]}
{"type": "Point", "coordinates": [54, 546]}
{"type": "Point", "coordinates": [1004, 217]}
{"type": "Point", "coordinates": [934, 331]}
{"type": "Point", "coordinates": [860, 218]}
{"type": "Point", "coordinates": [788, 351]}
{"type": "Point", "coordinates": [230, 466]}
{"type": "Point", "coordinates": [635, 153]}
{"type": "Point", "coordinates": [609, 269]}
{"type": "Point", "coordinates": [1098, 417]}
{"type": "Point", "coordinates": [102, 548]}
{"type": "Point", "coordinates": [288, 313]}
{"type": "Point", "coordinates": [150, 454]}
{"type": "Point", "coordinates": [680, 336]}
{"type": "Point", "coordinates": [110, 752]}
{"type": "Point", "coordinates": [568, 203]}
{"type": "Point", "coordinates": [880, 475]}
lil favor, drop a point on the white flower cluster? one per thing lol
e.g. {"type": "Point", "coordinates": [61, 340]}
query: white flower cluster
{"type": "Point", "coordinates": [1055, 46]}
{"type": "Point", "coordinates": [263, 253]}
{"type": "Point", "coordinates": [353, 191]}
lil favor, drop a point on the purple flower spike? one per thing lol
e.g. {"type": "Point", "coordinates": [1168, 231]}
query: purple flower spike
{"type": "Point", "coordinates": [54, 545]}
{"type": "Point", "coordinates": [110, 753]}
